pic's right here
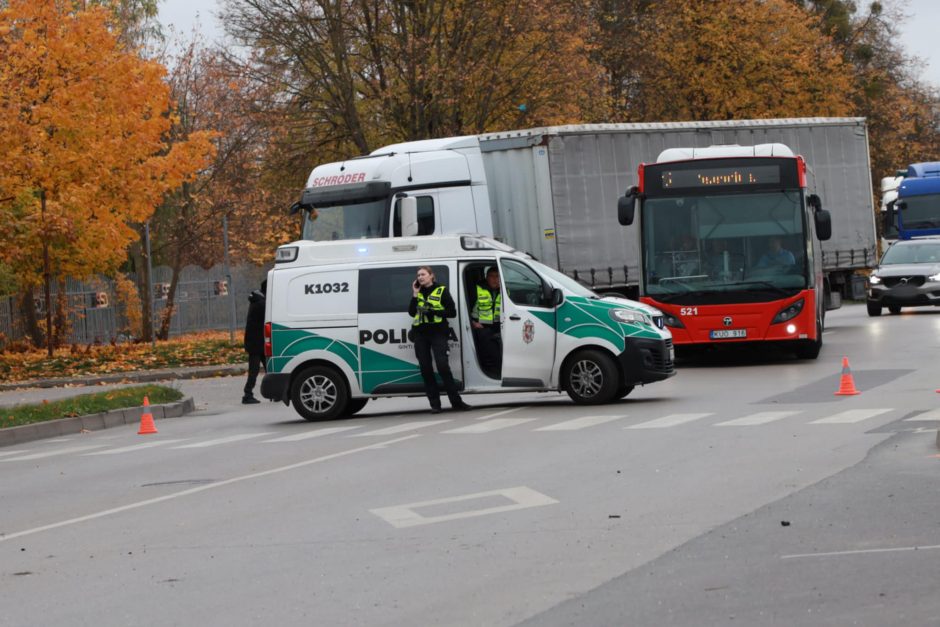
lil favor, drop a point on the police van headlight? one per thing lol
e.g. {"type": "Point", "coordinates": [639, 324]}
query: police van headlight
{"type": "Point", "coordinates": [630, 317]}
{"type": "Point", "coordinates": [285, 254]}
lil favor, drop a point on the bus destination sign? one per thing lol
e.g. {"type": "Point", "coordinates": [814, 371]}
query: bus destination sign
{"type": "Point", "coordinates": [731, 175]}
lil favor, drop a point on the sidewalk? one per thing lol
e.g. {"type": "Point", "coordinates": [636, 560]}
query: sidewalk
{"type": "Point", "coordinates": [137, 376]}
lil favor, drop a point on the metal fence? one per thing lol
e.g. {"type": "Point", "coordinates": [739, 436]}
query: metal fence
{"type": "Point", "coordinates": [204, 301]}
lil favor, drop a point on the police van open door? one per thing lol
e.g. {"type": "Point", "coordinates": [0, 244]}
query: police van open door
{"type": "Point", "coordinates": [528, 326]}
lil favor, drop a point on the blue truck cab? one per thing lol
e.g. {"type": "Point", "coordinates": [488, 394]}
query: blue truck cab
{"type": "Point", "coordinates": [917, 209]}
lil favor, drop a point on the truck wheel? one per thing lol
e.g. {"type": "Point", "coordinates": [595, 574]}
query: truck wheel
{"type": "Point", "coordinates": [319, 393]}
{"type": "Point", "coordinates": [591, 378]}
{"type": "Point", "coordinates": [895, 309]}
{"type": "Point", "coordinates": [355, 405]}
{"type": "Point", "coordinates": [874, 309]}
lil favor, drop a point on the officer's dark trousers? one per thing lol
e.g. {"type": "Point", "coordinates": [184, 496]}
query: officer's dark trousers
{"type": "Point", "coordinates": [430, 340]}
{"type": "Point", "coordinates": [255, 362]}
{"type": "Point", "coordinates": [490, 348]}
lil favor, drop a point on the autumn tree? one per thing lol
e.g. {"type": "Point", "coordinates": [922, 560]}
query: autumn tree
{"type": "Point", "coordinates": [352, 76]}
{"type": "Point", "coordinates": [83, 127]}
{"type": "Point", "coordinates": [705, 60]}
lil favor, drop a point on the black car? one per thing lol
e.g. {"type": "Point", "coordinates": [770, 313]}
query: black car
{"type": "Point", "coordinates": [908, 276]}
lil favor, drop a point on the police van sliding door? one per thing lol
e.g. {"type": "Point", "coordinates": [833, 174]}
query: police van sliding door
{"type": "Point", "coordinates": [386, 346]}
{"type": "Point", "coordinates": [528, 327]}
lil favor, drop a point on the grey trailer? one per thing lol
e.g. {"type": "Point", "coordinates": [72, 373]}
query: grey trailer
{"type": "Point", "coordinates": [553, 191]}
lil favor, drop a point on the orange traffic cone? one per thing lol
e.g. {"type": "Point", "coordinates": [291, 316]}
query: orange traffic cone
{"type": "Point", "coordinates": [146, 420]}
{"type": "Point", "coordinates": [847, 384]}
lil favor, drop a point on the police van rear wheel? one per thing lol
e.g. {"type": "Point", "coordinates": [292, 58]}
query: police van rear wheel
{"type": "Point", "coordinates": [591, 378]}
{"type": "Point", "coordinates": [319, 393]}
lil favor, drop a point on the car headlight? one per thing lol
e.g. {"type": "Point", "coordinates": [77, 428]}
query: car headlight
{"type": "Point", "coordinates": [934, 277]}
{"type": "Point", "coordinates": [789, 312]}
{"type": "Point", "coordinates": [874, 279]}
{"type": "Point", "coordinates": [630, 316]}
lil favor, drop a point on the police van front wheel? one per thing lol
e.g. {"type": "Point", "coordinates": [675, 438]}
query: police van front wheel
{"type": "Point", "coordinates": [319, 393]}
{"type": "Point", "coordinates": [591, 378]}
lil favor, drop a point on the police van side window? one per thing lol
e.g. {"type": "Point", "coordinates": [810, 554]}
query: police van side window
{"type": "Point", "coordinates": [388, 290]}
{"type": "Point", "coordinates": [425, 216]}
{"type": "Point", "coordinates": [523, 285]}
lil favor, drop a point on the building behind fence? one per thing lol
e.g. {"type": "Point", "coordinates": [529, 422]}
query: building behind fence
{"type": "Point", "coordinates": [203, 303]}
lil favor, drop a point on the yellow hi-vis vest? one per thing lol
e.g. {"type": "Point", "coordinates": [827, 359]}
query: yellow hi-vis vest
{"type": "Point", "coordinates": [488, 308]}
{"type": "Point", "coordinates": [430, 310]}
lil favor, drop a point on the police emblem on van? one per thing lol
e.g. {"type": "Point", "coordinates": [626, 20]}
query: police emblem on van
{"type": "Point", "coordinates": [528, 331]}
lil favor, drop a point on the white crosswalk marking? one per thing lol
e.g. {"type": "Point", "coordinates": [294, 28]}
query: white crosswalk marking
{"type": "Point", "coordinates": [133, 447]}
{"type": "Point", "coordinates": [61, 451]}
{"type": "Point", "coordinates": [19, 452]}
{"type": "Point", "coordinates": [490, 425]}
{"type": "Point", "coordinates": [581, 423]}
{"type": "Point", "coordinates": [316, 433]}
{"type": "Point", "coordinates": [225, 440]}
{"type": "Point", "coordinates": [933, 414]}
{"type": "Point", "coordinates": [408, 426]}
{"type": "Point", "coordinates": [668, 421]}
{"type": "Point", "coordinates": [849, 416]}
{"type": "Point", "coordinates": [499, 413]}
{"type": "Point", "coordinates": [760, 418]}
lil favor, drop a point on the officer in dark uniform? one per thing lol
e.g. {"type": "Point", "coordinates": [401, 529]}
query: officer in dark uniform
{"type": "Point", "coordinates": [431, 304]}
{"type": "Point", "coordinates": [485, 318]}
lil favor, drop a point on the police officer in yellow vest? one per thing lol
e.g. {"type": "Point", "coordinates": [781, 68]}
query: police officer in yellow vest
{"type": "Point", "coordinates": [431, 305]}
{"type": "Point", "coordinates": [485, 318]}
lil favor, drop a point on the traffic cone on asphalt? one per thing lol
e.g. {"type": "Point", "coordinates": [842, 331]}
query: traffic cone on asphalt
{"type": "Point", "coordinates": [847, 383]}
{"type": "Point", "coordinates": [146, 420]}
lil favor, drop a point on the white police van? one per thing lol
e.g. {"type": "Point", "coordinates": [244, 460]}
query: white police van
{"type": "Point", "coordinates": [338, 333]}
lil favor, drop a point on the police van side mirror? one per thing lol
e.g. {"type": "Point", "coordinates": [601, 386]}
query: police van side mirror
{"type": "Point", "coordinates": [626, 205]}
{"type": "Point", "coordinates": [409, 216]}
{"type": "Point", "coordinates": [557, 297]}
{"type": "Point", "coordinates": [823, 225]}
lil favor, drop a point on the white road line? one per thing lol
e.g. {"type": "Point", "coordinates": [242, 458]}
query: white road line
{"type": "Point", "coordinates": [402, 428]}
{"type": "Point", "coordinates": [668, 421]}
{"type": "Point", "coordinates": [61, 451]}
{"type": "Point", "coordinates": [760, 418]}
{"type": "Point", "coordinates": [580, 423]}
{"type": "Point", "coordinates": [133, 447]}
{"type": "Point", "coordinates": [225, 440]}
{"type": "Point", "coordinates": [202, 488]}
{"type": "Point", "coordinates": [930, 547]}
{"type": "Point", "coordinates": [315, 433]}
{"type": "Point", "coordinates": [490, 425]}
{"type": "Point", "coordinates": [499, 413]}
{"type": "Point", "coordinates": [405, 515]}
{"type": "Point", "coordinates": [849, 416]}
{"type": "Point", "coordinates": [19, 452]}
{"type": "Point", "coordinates": [933, 414]}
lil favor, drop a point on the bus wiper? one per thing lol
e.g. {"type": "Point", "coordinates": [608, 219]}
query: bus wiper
{"type": "Point", "coordinates": [767, 285]}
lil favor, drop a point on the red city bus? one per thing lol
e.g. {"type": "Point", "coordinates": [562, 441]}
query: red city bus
{"type": "Point", "coordinates": [729, 246]}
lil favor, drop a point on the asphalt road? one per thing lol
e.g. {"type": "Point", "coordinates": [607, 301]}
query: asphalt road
{"type": "Point", "coordinates": [741, 491]}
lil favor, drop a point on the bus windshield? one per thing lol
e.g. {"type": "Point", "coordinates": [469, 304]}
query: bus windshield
{"type": "Point", "coordinates": [724, 246]}
{"type": "Point", "coordinates": [921, 212]}
{"type": "Point", "coordinates": [353, 221]}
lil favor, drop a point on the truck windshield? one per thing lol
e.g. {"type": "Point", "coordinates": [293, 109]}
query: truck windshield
{"type": "Point", "coordinates": [730, 246]}
{"type": "Point", "coordinates": [354, 221]}
{"type": "Point", "coordinates": [921, 212]}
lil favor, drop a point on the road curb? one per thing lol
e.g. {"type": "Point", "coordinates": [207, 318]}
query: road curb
{"type": "Point", "coordinates": [139, 376]}
{"type": "Point", "coordinates": [11, 436]}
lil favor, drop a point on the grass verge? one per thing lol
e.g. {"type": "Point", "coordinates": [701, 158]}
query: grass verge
{"type": "Point", "coordinates": [86, 404]}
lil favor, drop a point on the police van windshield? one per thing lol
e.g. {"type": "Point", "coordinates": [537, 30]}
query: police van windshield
{"type": "Point", "coordinates": [353, 221]}
{"type": "Point", "coordinates": [564, 280]}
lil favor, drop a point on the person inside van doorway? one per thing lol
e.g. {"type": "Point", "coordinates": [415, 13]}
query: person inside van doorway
{"type": "Point", "coordinates": [254, 341]}
{"type": "Point", "coordinates": [485, 323]}
{"type": "Point", "coordinates": [431, 305]}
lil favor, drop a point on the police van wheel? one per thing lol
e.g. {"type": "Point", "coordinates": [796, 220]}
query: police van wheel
{"type": "Point", "coordinates": [591, 378]}
{"type": "Point", "coordinates": [319, 393]}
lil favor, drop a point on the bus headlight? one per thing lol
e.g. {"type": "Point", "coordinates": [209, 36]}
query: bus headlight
{"type": "Point", "coordinates": [789, 312]}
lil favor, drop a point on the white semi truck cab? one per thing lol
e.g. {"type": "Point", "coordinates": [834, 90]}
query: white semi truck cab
{"type": "Point", "coordinates": [360, 198]}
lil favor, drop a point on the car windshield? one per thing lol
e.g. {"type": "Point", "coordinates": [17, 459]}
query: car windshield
{"type": "Point", "coordinates": [912, 252]}
{"type": "Point", "coordinates": [353, 221]}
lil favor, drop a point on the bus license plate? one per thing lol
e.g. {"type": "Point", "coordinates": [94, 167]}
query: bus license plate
{"type": "Point", "coordinates": [723, 334]}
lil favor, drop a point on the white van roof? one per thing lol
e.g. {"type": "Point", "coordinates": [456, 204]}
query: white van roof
{"type": "Point", "coordinates": [424, 248]}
